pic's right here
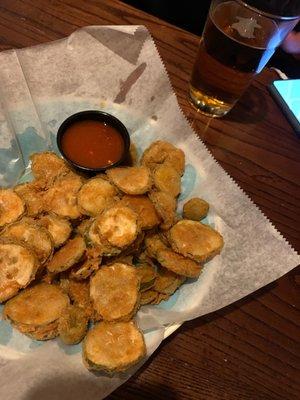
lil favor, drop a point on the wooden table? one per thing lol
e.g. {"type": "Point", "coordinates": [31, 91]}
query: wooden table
{"type": "Point", "coordinates": [249, 349]}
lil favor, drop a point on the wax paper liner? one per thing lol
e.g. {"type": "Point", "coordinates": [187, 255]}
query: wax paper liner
{"type": "Point", "coordinates": [118, 70]}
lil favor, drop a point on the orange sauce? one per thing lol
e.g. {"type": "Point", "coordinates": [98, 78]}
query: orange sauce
{"type": "Point", "coordinates": [92, 144]}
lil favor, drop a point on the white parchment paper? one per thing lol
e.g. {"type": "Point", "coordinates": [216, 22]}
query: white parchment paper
{"type": "Point", "coordinates": [118, 70]}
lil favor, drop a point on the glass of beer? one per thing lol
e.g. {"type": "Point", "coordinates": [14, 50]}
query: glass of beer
{"type": "Point", "coordinates": [237, 42]}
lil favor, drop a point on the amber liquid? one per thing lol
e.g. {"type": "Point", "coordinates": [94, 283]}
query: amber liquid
{"type": "Point", "coordinates": [226, 62]}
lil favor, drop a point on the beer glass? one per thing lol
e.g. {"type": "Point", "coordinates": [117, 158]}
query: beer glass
{"type": "Point", "coordinates": [237, 42]}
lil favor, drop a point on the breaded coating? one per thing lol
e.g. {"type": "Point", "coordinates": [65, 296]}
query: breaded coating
{"type": "Point", "coordinates": [99, 243]}
{"type": "Point", "coordinates": [38, 305]}
{"type": "Point", "coordinates": [44, 332]}
{"type": "Point", "coordinates": [148, 296]}
{"type": "Point", "coordinates": [59, 228]}
{"type": "Point", "coordinates": [113, 347]}
{"type": "Point", "coordinates": [147, 275]}
{"type": "Point", "coordinates": [67, 256]}
{"type": "Point", "coordinates": [84, 226]}
{"type": "Point", "coordinates": [165, 205]}
{"type": "Point", "coordinates": [32, 195]}
{"type": "Point", "coordinates": [143, 206]}
{"type": "Point", "coordinates": [12, 207]}
{"type": "Point", "coordinates": [86, 269]}
{"type": "Point", "coordinates": [195, 209]}
{"type": "Point", "coordinates": [164, 237]}
{"type": "Point", "coordinates": [123, 259]}
{"type": "Point", "coordinates": [35, 311]}
{"type": "Point", "coordinates": [61, 197]}
{"type": "Point", "coordinates": [72, 325]}
{"type": "Point", "coordinates": [135, 247]}
{"type": "Point", "coordinates": [160, 297]}
{"type": "Point", "coordinates": [195, 240]}
{"type": "Point", "coordinates": [154, 244]}
{"type": "Point", "coordinates": [114, 291]}
{"type": "Point", "coordinates": [144, 257]}
{"type": "Point", "coordinates": [34, 235]}
{"type": "Point", "coordinates": [46, 276]}
{"type": "Point", "coordinates": [167, 179]}
{"type": "Point", "coordinates": [79, 293]}
{"type": "Point", "coordinates": [18, 266]}
{"type": "Point", "coordinates": [178, 264]}
{"type": "Point", "coordinates": [167, 281]}
{"type": "Point", "coordinates": [96, 195]}
{"type": "Point", "coordinates": [161, 152]}
{"type": "Point", "coordinates": [131, 180]}
{"type": "Point", "coordinates": [119, 226]}
{"type": "Point", "coordinates": [47, 166]}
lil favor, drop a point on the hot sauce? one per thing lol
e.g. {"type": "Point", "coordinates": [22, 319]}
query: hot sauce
{"type": "Point", "coordinates": [92, 144]}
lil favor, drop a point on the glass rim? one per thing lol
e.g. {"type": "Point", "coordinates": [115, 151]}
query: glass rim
{"type": "Point", "coordinates": [269, 15]}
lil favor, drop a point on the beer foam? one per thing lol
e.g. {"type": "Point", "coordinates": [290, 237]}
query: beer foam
{"type": "Point", "coordinates": [246, 26]}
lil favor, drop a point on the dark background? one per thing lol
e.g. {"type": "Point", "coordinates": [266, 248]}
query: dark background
{"type": "Point", "coordinates": [191, 15]}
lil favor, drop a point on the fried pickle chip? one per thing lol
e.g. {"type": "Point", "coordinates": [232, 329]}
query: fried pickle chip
{"type": "Point", "coordinates": [72, 325]}
{"type": "Point", "coordinates": [195, 240]}
{"type": "Point", "coordinates": [179, 264]}
{"type": "Point", "coordinates": [64, 283]}
{"type": "Point", "coordinates": [147, 275]}
{"type": "Point", "coordinates": [86, 269]}
{"type": "Point", "coordinates": [35, 236]}
{"type": "Point", "coordinates": [47, 277]}
{"type": "Point", "coordinates": [18, 266]}
{"type": "Point", "coordinates": [59, 228]}
{"type": "Point", "coordinates": [61, 197]}
{"type": "Point", "coordinates": [67, 256]}
{"type": "Point", "coordinates": [144, 208]}
{"type": "Point", "coordinates": [119, 225]}
{"type": "Point", "coordinates": [36, 311]}
{"type": "Point", "coordinates": [32, 195]}
{"type": "Point", "coordinates": [164, 237]}
{"type": "Point", "coordinates": [113, 347]}
{"type": "Point", "coordinates": [148, 296]}
{"type": "Point", "coordinates": [144, 257]}
{"type": "Point", "coordinates": [165, 205]}
{"type": "Point", "coordinates": [131, 180]}
{"type": "Point", "coordinates": [114, 290]}
{"type": "Point", "coordinates": [79, 293]}
{"type": "Point", "coordinates": [135, 247]}
{"type": "Point", "coordinates": [161, 152]}
{"type": "Point", "coordinates": [99, 243]}
{"type": "Point", "coordinates": [46, 332]}
{"type": "Point", "coordinates": [96, 195]}
{"type": "Point", "coordinates": [12, 206]}
{"type": "Point", "coordinates": [84, 226]}
{"type": "Point", "coordinates": [154, 244]}
{"type": "Point", "coordinates": [195, 209]}
{"type": "Point", "coordinates": [167, 281]}
{"type": "Point", "coordinates": [47, 166]}
{"type": "Point", "coordinates": [167, 179]}
{"type": "Point", "coordinates": [159, 298]}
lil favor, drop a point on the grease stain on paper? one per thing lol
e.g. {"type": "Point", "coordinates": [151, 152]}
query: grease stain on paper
{"type": "Point", "coordinates": [126, 85]}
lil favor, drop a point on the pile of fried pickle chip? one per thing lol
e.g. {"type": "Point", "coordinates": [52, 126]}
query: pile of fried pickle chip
{"type": "Point", "coordinates": [79, 256]}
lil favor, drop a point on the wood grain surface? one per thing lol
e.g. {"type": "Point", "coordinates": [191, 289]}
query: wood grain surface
{"type": "Point", "coordinates": [249, 350]}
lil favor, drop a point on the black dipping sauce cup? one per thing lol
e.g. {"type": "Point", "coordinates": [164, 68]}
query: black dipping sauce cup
{"type": "Point", "coordinates": [98, 116]}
